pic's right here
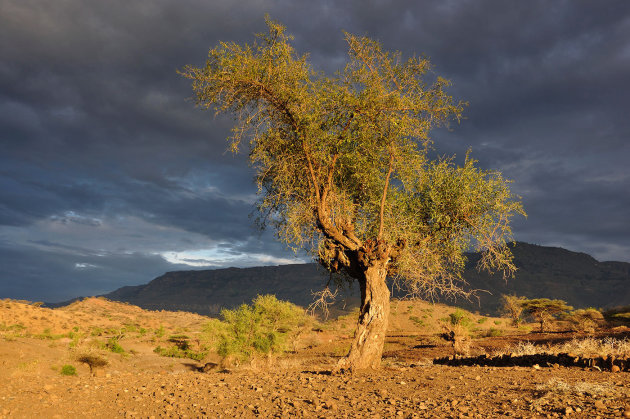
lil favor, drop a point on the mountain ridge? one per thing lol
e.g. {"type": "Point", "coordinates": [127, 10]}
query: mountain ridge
{"type": "Point", "coordinates": [549, 272]}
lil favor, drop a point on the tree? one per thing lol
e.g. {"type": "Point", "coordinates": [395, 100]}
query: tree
{"type": "Point", "coordinates": [343, 171]}
{"type": "Point", "coordinates": [586, 319]}
{"type": "Point", "coordinates": [544, 310]}
{"type": "Point", "coordinates": [512, 306]}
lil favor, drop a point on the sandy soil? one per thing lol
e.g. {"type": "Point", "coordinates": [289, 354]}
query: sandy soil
{"type": "Point", "coordinates": [140, 383]}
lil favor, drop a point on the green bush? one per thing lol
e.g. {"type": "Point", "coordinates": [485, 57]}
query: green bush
{"type": "Point", "coordinates": [176, 352]}
{"type": "Point", "coordinates": [493, 332]}
{"type": "Point", "coordinates": [460, 317]}
{"type": "Point", "coordinates": [160, 332]}
{"type": "Point", "coordinates": [418, 321]}
{"type": "Point", "coordinates": [92, 361]}
{"type": "Point", "coordinates": [267, 326]}
{"type": "Point", "coordinates": [618, 314]}
{"type": "Point", "coordinates": [68, 370]}
{"type": "Point", "coordinates": [482, 320]}
{"type": "Point", "coordinates": [113, 345]}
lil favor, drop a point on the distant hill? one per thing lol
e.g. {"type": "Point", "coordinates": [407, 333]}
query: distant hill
{"type": "Point", "coordinates": [548, 272]}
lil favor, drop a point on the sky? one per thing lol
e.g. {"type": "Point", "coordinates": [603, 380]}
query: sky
{"type": "Point", "coordinates": [109, 175]}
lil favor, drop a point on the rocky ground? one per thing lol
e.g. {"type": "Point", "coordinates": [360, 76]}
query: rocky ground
{"type": "Point", "coordinates": [396, 391]}
{"type": "Point", "coordinates": [139, 383]}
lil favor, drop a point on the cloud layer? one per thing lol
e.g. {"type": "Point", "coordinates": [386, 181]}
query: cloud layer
{"type": "Point", "coordinates": [109, 176]}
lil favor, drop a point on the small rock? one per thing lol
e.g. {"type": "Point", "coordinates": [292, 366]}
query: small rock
{"type": "Point", "coordinates": [536, 366]}
{"type": "Point", "coordinates": [568, 410]}
{"type": "Point", "coordinates": [478, 378]}
{"type": "Point", "coordinates": [626, 414]}
{"type": "Point", "coordinates": [599, 405]}
{"type": "Point", "coordinates": [615, 368]}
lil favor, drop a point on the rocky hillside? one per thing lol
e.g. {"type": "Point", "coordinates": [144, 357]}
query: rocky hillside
{"type": "Point", "coordinates": [548, 272]}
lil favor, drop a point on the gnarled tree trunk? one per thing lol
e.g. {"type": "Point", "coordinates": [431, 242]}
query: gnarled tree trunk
{"type": "Point", "coordinates": [367, 348]}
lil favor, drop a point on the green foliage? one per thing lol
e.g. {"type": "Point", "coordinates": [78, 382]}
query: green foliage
{"type": "Point", "coordinates": [96, 331]}
{"type": "Point", "coordinates": [267, 326]}
{"type": "Point", "coordinates": [544, 310]}
{"type": "Point", "coordinates": [160, 332]}
{"type": "Point", "coordinates": [113, 346]}
{"type": "Point", "coordinates": [494, 332]}
{"type": "Point", "coordinates": [418, 321]}
{"type": "Point", "coordinates": [618, 314]}
{"type": "Point", "coordinates": [342, 162]}
{"type": "Point", "coordinates": [68, 370]}
{"type": "Point", "coordinates": [460, 317]}
{"type": "Point", "coordinates": [176, 352]}
{"type": "Point", "coordinates": [482, 320]}
{"type": "Point", "coordinates": [512, 306]}
{"type": "Point", "coordinates": [92, 361]}
{"type": "Point", "coordinates": [585, 319]}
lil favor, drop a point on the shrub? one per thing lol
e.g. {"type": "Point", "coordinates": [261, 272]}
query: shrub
{"type": "Point", "coordinates": [493, 332]}
{"type": "Point", "coordinates": [176, 352]}
{"type": "Point", "coordinates": [418, 321]}
{"type": "Point", "coordinates": [159, 332]}
{"type": "Point", "coordinates": [113, 345]}
{"type": "Point", "coordinates": [618, 314]}
{"type": "Point", "coordinates": [68, 370]}
{"type": "Point", "coordinates": [482, 320]}
{"type": "Point", "coordinates": [265, 327]}
{"type": "Point", "coordinates": [586, 319]}
{"type": "Point", "coordinates": [512, 306]}
{"type": "Point", "coordinates": [92, 361]}
{"type": "Point", "coordinates": [460, 317]}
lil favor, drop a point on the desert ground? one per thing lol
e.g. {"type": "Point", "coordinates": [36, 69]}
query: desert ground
{"type": "Point", "coordinates": [45, 371]}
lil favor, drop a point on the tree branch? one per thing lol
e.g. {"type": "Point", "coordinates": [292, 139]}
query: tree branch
{"type": "Point", "coordinates": [382, 210]}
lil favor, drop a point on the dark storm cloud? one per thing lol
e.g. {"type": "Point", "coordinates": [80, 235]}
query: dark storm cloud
{"type": "Point", "coordinates": [103, 155]}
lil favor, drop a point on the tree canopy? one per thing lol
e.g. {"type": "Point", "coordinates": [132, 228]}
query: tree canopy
{"type": "Point", "coordinates": [342, 162]}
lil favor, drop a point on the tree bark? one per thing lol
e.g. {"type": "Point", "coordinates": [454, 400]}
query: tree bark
{"type": "Point", "coordinates": [367, 348]}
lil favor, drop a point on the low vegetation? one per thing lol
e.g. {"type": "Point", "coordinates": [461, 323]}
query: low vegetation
{"type": "Point", "coordinates": [267, 326]}
{"type": "Point", "coordinates": [68, 370]}
{"type": "Point", "coordinates": [619, 348]}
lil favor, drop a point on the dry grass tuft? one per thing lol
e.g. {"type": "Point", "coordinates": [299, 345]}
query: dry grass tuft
{"type": "Point", "coordinates": [619, 348]}
{"type": "Point", "coordinates": [558, 386]}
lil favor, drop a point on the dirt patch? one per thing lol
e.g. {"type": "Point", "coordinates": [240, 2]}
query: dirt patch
{"type": "Point", "coordinates": [140, 383]}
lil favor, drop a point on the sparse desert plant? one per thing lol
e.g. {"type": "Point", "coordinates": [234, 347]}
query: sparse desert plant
{"type": "Point", "coordinates": [92, 361]}
{"type": "Point", "coordinates": [68, 370]}
{"type": "Point", "coordinates": [494, 332]}
{"type": "Point", "coordinates": [586, 319]}
{"type": "Point", "coordinates": [618, 314]}
{"type": "Point", "coordinates": [482, 320]}
{"type": "Point", "coordinates": [96, 331]}
{"type": "Point", "coordinates": [180, 340]}
{"type": "Point", "coordinates": [113, 346]}
{"type": "Point", "coordinates": [544, 310]}
{"type": "Point", "coordinates": [459, 317]}
{"type": "Point", "coordinates": [175, 352]}
{"type": "Point", "coordinates": [160, 332]}
{"type": "Point", "coordinates": [618, 348]}
{"type": "Point", "coordinates": [265, 327]}
{"type": "Point", "coordinates": [459, 336]}
{"type": "Point", "coordinates": [418, 321]}
{"type": "Point", "coordinates": [512, 306]}
{"type": "Point", "coordinates": [557, 386]}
